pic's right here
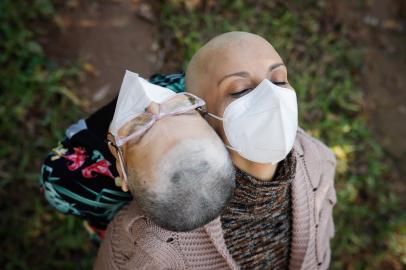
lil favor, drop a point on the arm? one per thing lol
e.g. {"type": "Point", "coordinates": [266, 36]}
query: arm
{"type": "Point", "coordinates": [134, 242]}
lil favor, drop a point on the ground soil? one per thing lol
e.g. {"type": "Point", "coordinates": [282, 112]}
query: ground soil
{"type": "Point", "coordinates": [108, 37]}
{"type": "Point", "coordinates": [111, 36]}
{"type": "Point", "coordinates": [379, 29]}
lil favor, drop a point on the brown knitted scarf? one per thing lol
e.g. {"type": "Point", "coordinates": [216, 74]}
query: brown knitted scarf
{"type": "Point", "coordinates": [257, 221]}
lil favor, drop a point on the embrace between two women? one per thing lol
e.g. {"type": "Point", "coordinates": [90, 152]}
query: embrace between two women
{"type": "Point", "coordinates": [221, 176]}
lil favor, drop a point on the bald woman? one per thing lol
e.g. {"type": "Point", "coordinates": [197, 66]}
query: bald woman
{"type": "Point", "coordinates": [280, 216]}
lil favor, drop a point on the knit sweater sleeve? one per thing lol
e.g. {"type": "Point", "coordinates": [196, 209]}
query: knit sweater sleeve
{"type": "Point", "coordinates": [120, 250]}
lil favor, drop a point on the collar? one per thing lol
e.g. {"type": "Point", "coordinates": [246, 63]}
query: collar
{"type": "Point", "coordinates": [300, 216]}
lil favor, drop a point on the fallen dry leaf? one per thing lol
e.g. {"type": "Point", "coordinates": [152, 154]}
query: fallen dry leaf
{"type": "Point", "coordinates": [192, 4]}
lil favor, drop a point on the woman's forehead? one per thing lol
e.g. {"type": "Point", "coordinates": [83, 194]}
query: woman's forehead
{"type": "Point", "coordinates": [242, 58]}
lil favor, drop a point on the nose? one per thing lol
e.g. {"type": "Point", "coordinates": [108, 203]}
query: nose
{"type": "Point", "coordinates": [153, 108]}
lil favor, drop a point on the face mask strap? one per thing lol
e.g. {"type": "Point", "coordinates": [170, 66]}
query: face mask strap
{"type": "Point", "coordinates": [222, 119]}
{"type": "Point", "coordinates": [231, 148]}
{"type": "Point", "coordinates": [216, 117]}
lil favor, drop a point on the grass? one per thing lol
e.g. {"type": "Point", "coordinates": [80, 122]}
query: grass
{"type": "Point", "coordinates": [36, 105]}
{"type": "Point", "coordinates": [35, 109]}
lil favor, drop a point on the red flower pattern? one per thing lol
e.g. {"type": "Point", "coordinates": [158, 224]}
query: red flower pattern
{"type": "Point", "coordinates": [77, 158]}
{"type": "Point", "coordinates": [101, 167]}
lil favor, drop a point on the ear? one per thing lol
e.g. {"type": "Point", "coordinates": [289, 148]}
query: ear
{"type": "Point", "coordinates": [113, 151]}
{"type": "Point", "coordinates": [121, 182]}
{"type": "Point", "coordinates": [124, 185]}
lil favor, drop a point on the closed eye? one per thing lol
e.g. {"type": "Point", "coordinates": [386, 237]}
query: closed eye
{"type": "Point", "coordinates": [247, 90]}
{"type": "Point", "coordinates": [241, 93]}
{"type": "Point", "coordinates": [280, 83]}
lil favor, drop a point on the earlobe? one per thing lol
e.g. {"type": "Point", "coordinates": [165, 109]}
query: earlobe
{"type": "Point", "coordinates": [119, 168]}
{"type": "Point", "coordinates": [121, 183]}
{"type": "Point", "coordinates": [124, 186]}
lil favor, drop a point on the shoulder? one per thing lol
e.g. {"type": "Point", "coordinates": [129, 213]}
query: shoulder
{"type": "Point", "coordinates": [314, 149]}
{"type": "Point", "coordinates": [118, 248]}
{"type": "Point", "coordinates": [133, 241]}
{"type": "Point", "coordinates": [316, 158]}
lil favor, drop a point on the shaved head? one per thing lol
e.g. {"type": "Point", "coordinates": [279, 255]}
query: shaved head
{"type": "Point", "coordinates": [179, 171]}
{"type": "Point", "coordinates": [228, 67]}
{"type": "Point", "coordinates": [221, 51]}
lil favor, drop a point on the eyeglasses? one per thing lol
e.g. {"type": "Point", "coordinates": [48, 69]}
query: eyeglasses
{"type": "Point", "coordinates": [135, 128]}
{"type": "Point", "coordinates": [120, 158]}
{"type": "Point", "coordinates": [178, 104]}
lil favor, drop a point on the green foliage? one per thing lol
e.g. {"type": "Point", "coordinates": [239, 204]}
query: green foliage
{"type": "Point", "coordinates": [34, 112]}
{"type": "Point", "coordinates": [322, 64]}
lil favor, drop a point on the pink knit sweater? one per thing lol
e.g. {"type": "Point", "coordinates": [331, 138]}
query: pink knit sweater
{"type": "Point", "coordinates": [135, 242]}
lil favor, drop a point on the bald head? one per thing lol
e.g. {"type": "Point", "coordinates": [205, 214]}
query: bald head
{"type": "Point", "coordinates": [225, 52]}
{"type": "Point", "coordinates": [192, 184]}
{"type": "Point", "coordinates": [228, 67]}
{"type": "Point", "coordinates": [179, 171]}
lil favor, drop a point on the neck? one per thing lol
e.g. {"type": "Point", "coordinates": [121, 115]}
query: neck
{"type": "Point", "coordinates": [261, 171]}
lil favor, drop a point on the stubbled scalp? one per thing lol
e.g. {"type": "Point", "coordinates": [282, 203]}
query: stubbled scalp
{"type": "Point", "coordinates": [195, 183]}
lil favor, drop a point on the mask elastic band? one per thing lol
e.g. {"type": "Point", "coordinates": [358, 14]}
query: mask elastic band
{"type": "Point", "coordinates": [231, 148]}
{"type": "Point", "coordinates": [222, 119]}
{"type": "Point", "coordinates": [215, 116]}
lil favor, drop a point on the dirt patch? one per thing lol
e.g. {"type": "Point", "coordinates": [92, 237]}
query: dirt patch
{"type": "Point", "coordinates": [108, 37]}
{"type": "Point", "coordinates": [379, 28]}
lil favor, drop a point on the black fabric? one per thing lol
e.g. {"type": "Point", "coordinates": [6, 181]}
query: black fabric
{"type": "Point", "coordinates": [100, 120]}
{"type": "Point", "coordinates": [78, 176]}
{"type": "Point", "coordinates": [87, 190]}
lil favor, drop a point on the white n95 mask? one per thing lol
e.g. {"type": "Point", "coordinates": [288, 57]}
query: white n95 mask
{"type": "Point", "coordinates": [261, 126]}
{"type": "Point", "coordinates": [135, 95]}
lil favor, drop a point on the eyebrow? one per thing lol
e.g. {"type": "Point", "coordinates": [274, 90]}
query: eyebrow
{"type": "Point", "coordinates": [274, 66]}
{"type": "Point", "coordinates": [245, 74]}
